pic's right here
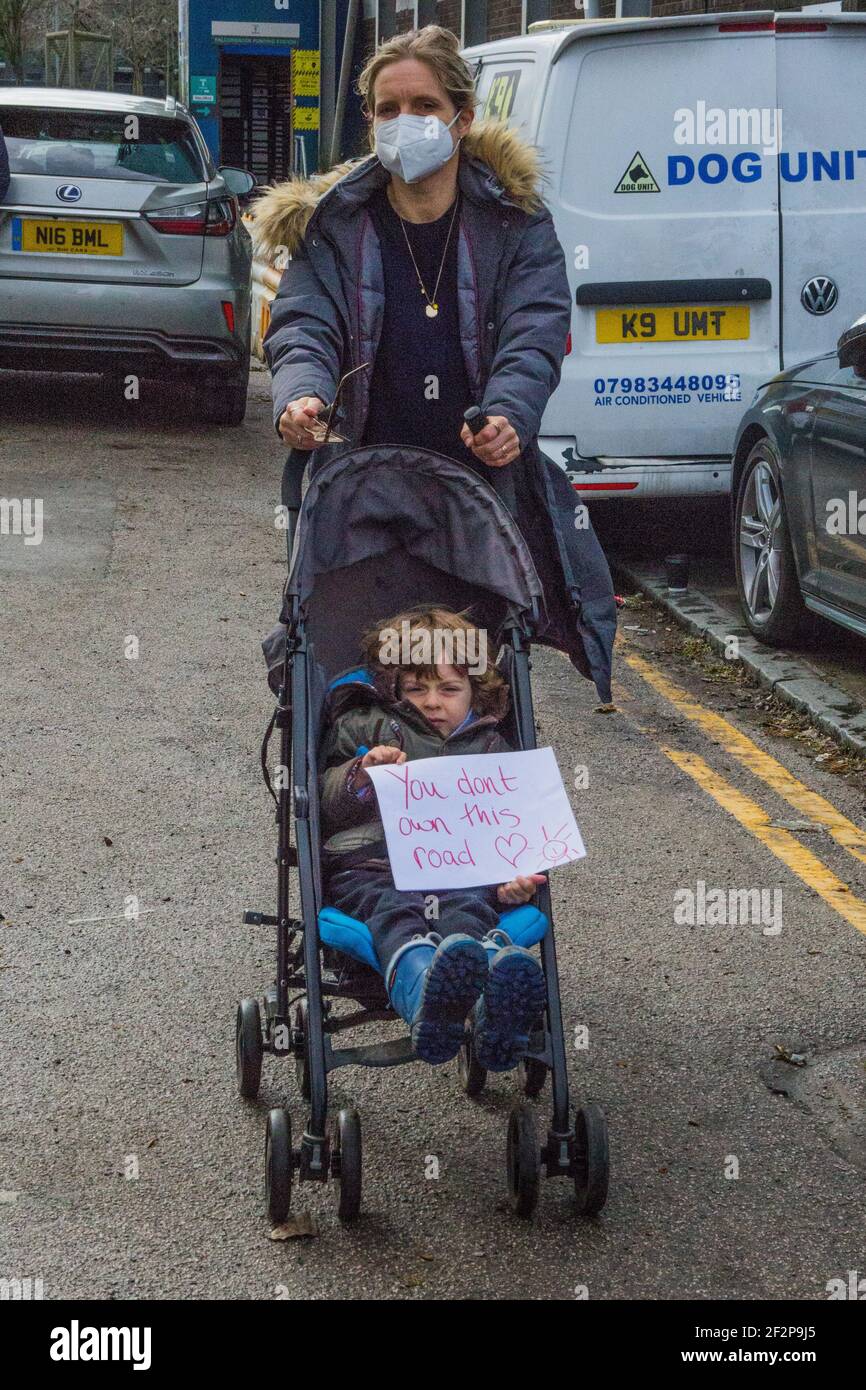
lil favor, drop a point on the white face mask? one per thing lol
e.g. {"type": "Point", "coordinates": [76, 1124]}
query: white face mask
{"type": "Point", "coordinates": [414, 146]}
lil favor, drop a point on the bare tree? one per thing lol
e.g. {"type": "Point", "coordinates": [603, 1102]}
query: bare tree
{"type": "Point", "coordinates": [142, 30]}
{"type": "Point", "coordinates": [20, 21]}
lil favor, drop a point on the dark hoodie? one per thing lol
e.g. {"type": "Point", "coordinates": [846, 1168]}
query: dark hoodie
{"type": "Point", "coordinates": [363, 711]}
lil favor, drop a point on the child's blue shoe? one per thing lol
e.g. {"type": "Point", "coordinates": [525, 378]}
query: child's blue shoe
{"type": "Point", "coordinates": [513, 1000]}
{"type": "Point", "coordinates": [433, 985]}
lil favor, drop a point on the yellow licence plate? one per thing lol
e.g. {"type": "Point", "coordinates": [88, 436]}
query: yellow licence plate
{"type": "Point", "coordinates": [76, 238]}
{"type": "Point", "coordinates": [706, 323]}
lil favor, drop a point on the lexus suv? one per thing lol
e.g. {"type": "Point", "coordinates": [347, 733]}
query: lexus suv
{"type": "Point", "coordinates": [121, 246]}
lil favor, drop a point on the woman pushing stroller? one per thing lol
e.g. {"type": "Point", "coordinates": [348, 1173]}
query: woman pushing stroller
{"type": "Point", "coordinates": [442, 955]}
{"type": "Point", "coordinates": [428, 278]}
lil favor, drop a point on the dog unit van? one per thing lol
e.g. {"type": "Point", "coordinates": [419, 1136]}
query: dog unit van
{"type": "Point", "coordinates": [707, 178]}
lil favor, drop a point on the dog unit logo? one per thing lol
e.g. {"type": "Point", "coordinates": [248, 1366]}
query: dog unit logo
{"type": "Point", "coordinates": [77, 1343]}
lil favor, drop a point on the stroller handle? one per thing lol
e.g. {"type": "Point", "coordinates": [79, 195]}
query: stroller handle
{"type": "Point", "coordinates": [475, 418]}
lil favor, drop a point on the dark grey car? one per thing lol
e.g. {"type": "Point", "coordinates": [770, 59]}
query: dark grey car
{"type": "Point", "coordinates": [799, 496]}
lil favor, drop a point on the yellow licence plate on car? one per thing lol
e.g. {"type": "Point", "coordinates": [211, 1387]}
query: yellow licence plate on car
{"type": "Point", "coordinates": [705, 323]}
{"type": "Point", "coordinates": [74, 237]}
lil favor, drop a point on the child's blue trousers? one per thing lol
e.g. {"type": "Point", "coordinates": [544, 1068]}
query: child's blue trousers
{"type": "Point", "coordinates": [394, 917]}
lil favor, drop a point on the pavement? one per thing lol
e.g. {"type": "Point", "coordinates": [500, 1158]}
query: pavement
{"type": "Point", "coordinates": [136, 698]}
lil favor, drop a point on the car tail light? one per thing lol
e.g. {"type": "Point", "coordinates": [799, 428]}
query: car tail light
{"type": "Point", "coordinates": [188, 220]}
{"type": "Point", "coordinates": [568, 345]}
{"type": "Point", "coordinates": [229, 314]}
{"type": "Point", "coordinates": [216, 217]}
{"type": "Point", "coordinates": [221, 216]}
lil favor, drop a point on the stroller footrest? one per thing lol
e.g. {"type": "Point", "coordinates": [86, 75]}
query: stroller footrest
{"type": "Point", "coordinates": [394, 1053]}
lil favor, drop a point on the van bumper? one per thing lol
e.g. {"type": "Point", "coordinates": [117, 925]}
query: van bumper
{"type": "Point", "coordinates": [638, 477]}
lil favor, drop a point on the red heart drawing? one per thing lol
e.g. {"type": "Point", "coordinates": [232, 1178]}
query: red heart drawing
{"type": "Point", "coordinates": [506, 841]}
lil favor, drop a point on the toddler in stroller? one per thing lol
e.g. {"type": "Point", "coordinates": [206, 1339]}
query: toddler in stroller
{"type": "Point", "coordinates": [391, 713]}
{"type": "Point", "coordinates": [387, 529]}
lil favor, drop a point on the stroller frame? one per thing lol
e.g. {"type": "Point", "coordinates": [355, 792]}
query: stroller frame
{"type": "Point", "coordinates": [576, 1149]}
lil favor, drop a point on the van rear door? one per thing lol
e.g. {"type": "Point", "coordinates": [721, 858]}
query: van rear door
{"type": "Point", "coordinates": [821, 65]}
{"type": "Point", "coordinates": [671, 235]}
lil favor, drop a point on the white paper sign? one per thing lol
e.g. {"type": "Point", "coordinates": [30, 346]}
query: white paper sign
{"type": "Point", "coordinates": [455, 822]}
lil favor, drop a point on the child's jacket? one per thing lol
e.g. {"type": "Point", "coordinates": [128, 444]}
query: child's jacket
{"type": "Point", "coordinates": [352, 829]}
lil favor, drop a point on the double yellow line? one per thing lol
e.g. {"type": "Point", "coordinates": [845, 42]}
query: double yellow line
{"type": "Point", "coordinates": [808, 868]}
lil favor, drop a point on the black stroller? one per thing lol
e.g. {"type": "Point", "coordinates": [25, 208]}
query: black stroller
{"type": "Point", "coordinates": [380, 529]}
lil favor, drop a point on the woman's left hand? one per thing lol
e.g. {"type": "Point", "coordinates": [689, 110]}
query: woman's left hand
{"type": "Point", "coordinates": [496, 445]}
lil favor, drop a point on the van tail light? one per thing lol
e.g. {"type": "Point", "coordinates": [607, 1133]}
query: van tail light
{"type": "Point", "coordinates": [745, 27]}
{"type": "Point", "coordinates": [568, 345]}
{"type": "Point", "coordinates": [229, 314]}
{"type": "Point", "coordinates": [810, 26]}
{"type": "Point", "coordinates": [216, 217]}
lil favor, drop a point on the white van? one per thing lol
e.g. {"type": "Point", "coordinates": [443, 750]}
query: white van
{"type": "Point", "coordinates": [707, 179]}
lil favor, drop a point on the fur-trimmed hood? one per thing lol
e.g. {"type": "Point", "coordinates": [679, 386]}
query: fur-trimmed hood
{"type": "Point", "coordinates": [280, 217]}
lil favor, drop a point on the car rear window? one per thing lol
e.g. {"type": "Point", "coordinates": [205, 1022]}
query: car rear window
{"type": "Point", "coordinates": [96, 144]}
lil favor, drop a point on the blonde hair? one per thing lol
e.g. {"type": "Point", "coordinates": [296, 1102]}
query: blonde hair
{"type": "Point", "coordinates": [439, 48]}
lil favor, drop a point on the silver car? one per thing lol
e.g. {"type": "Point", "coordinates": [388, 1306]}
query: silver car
{"type": "Point", "coordinates": [121, 246]}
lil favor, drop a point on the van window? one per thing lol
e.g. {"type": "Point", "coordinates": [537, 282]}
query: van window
{"type": "Point", "coordinates": [505, 91]}
{"type": "Point", "coordinates": [94, 144]}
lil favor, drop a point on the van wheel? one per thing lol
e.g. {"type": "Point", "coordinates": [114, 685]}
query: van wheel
{"type": "Point", "coordinates": [767, 583]}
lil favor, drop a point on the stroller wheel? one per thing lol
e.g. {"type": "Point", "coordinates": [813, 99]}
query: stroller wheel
{"type": "Point", "coordinates": [346, 1163]}
{"type": "Point", "coordinates": [473, 1077]}
{"type": "Point", "coordinates": [523, 1160]}
{"type": "Point", "coordinates": [531, 1076]}
{"type": "Point", "coordinates": [248, 1048]}
{"type": "Point", "coordinates": [278, 1165]}
{"type": "Point", "coordinates": [591, 1159]}
{"type": "Point", "coordinates": [301, 1045]}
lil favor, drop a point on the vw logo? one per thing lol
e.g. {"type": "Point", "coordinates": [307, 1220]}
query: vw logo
{"type": "Point", "coordinates": [819, 295]}
{"type": "Point", "coordinates": [68, 192]}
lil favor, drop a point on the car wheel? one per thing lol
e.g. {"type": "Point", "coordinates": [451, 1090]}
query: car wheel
{"type": "Point", "coordinates": [225, 398]}
{"type": "Point", "coordinates": [767, 583]}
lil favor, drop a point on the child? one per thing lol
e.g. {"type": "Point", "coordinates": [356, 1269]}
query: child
{"type": "Point", "coordinates": [386, 712]}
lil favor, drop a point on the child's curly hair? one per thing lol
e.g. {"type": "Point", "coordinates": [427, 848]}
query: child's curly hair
{"type": "Point", "coordinates": [489, 690]}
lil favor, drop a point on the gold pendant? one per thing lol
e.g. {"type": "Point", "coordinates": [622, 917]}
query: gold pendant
{"type": "Point", "coordinates": [432, 310]}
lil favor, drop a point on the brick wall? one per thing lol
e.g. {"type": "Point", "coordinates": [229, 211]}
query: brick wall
{"type": "Point", "coordinates": [448, 14]}
{"type": "Point", "coordinates": [503, 18]}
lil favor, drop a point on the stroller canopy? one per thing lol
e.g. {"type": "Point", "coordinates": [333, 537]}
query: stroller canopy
{"type": "Point", "coordinates": [386, 527]}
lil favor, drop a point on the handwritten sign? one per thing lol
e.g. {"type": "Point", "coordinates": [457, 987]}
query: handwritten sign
{"type": "Point", "coordinates": [455, 822]}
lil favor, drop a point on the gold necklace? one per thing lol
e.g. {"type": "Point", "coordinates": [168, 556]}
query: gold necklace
{"type": "Point", "coordinates": [432, 308]}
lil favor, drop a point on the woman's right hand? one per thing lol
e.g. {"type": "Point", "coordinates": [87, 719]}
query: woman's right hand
{"type": "Point", "coordinates": [377, 757]}
{"type": "Point", "coordinates": [295, 420]}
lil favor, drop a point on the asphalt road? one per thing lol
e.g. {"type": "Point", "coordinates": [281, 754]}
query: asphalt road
{"type": "Point", "coordinates": [130, 1168]}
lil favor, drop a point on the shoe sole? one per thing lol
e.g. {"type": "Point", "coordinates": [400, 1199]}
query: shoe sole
{"type": "Point", "coordinates": [451, 991]}
{"type": "Point", "coordinates": [514, 997]}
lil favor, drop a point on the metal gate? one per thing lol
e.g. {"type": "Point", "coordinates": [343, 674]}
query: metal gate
{"type": "Point", "coordinates": [255, 104]}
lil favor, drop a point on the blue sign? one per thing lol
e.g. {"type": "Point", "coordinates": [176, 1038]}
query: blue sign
{"type": "Point", "coordinates": [213, 29]}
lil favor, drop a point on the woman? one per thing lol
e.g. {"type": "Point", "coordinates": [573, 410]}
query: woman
{"type": "Point", "coordinates": [435, 262]}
